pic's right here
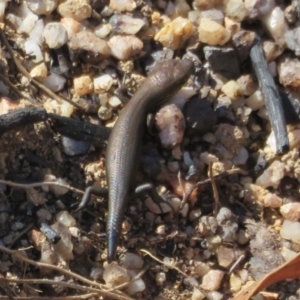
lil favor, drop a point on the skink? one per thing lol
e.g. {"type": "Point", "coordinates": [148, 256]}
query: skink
{"type": "Point", "coordinates": [123, 149]}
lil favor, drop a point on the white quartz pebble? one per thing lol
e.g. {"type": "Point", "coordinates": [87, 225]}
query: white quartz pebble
{"type": "Point", "coordinates": [55, 35]}
{"type": "Point", "coordinates": [42, 7]}
{"type": "Point", "coordinates": [55, 82]}
{"type": "Point", "coordinates": [102, 83]}
{"type": "Point", "coordinates": [32, 49]}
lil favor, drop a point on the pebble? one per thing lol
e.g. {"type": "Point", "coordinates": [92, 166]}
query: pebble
{"type": "Point", "coordinates": [87, 41]}
{"type": "Point", "coordinates": [131, 261]}
{"type": "Point", "coordinates": [55, 189]}
{"type": "Point", "coordinates": [73, 147]}
{"type": "Point", "coordinates": [170, 123]}
{"type": "Point", "coordinates": [136, 286]}
{"type": "Point", "coordinates": [174, 34]}
{"type": "Point", "coordinates": [102, 83]}
{"type": "Point", "coordinates": [212, 33]}
{"type": "Point", "coordinates": [44, 215]}
{"type": "Point", "coordinates": [104, 113]}
{"type": "Point", "coordinates": [42, 7]}
{"type": "Point", "coordinates": [255, 101]}
{"type": "Point", "coordinates": [241, 157]}
{"type": "Point", "coordinates": [66, 219]}
{"type": "Point", "coordinates": [242, 237]}
{"type": "Point", "coordinates": [17, 226]}
{"type": "Point", "coordinates": [214, 295]}
{"type": "Point", "coordinates": [123, 24]}
{"type": "Point", "coordinates": [3, 5]}
{"type": "Point", "coordinates": [28, 24]}
{"type": "Point", "coordinates": [291, 231]}
{"type": "Point", "coordinates": [272, 50]}
{"type": "Point", "coordinates": [276, 24]}
{"type": "Point", "coordinates": [122, 5]}
{"type": "Point", "coordinates": [292, 40]}
{"type": "Point", "coordinates": [125, 47]}
{"type": "Point", "coordinates": [225, 256]}
{"type": "Point", "coordinates": [39, 72]}
{"type": "Point", "coordinates": [289, 72]}
{"type": "Point", "coordinates": [195, 214]}
{"type": "Point", "coordinates": [66, 109]}
{"type": "Point", "coordinates": [247, 85]}
{"type": "Point", "coordinates": [160, 278]}
{"type": "Point", "coordinates": [83, 85]}
{"type": "Point", "coordinates": [235, 9]}
{"type": "Point", "coordinates": [75, 9]}
{"type": "Point", "coordinates": [55, 82]}
{"type": "Point", "coordinates": [242, 42]}
{"type": "Point", "coordinates": [232, 90]}
{"type": "Point", "coordinates": [114, 101]}
{"type": "Point", "coordinates": [256, 8]}
{"type": "Point", "coordinates": [103, 30]}
{"type": "Point", "coordinates": [71, 25]}
{"type": "Point", "coordinates": [36, 34]}
{"type": "Point", "coordinates": [223, 61]}
{"type": "Point", "coordinates": [33, 49]}
{"type": "Point", "coordinates": [197, 295]}
{"type": "Point", "coordinates": [272, 176]}
{"type": "Point", "coordinates": [212, 280]}
{"type": "Point", "coordinates": [154, 208]}
{"type": "Point", "coordinates": [161, 229]}
{"type": "Point", "coordinates": [290, 14]}
{"type": "Point", "coordinates": [64, 248]}
{"type": "Point", "coordinates": [288, 254]}
{"type": "Point", "coordinates": [207, 4]}
{"type": "Point", "coordinates": [291, 211]}
{"type": "Point", "coordinates": [55, 35]}
{"type": "Point", "coordinates": [235, 282]}
{"type": "Point", "coordinates": [115, 275]}
{"type": "Point", "coordinates": [96, 273]}
{"type": "Point", "coordinates": [213, 14]}
{"type": "Point", "coordinates": [232, 26]}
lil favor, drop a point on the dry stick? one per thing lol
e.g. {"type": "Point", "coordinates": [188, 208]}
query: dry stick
{"type": "Point", "coordinates": [23, 70]}
{"type": "Point", "coordinates": [207, 181]}
{"type": "Point", "coordinates": [19, 256]}
{"type": "Point", "coordinates": [7, 82]}
{"type": "Point", "coordinates": [39, 184]}
{"type": "Point", "coordinates": [165, 264]}
{"type": "Point", "coordinates": [271, 96]}
{"type": "Point", "coordinates": [78, 297]}
{"type": "Point", "coordinates": [214, 188]}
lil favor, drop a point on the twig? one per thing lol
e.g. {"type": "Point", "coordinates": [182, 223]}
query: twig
{"type": "Point", "coordinates": [7, 82]}
{"type": "Point", "coordinates": [271, 96]}
{"type": "Point", "coordinates": [79, 297]}
{"type": "Point", "coordinates": [165, 264]}
{"type": "Point", "coordinates": [23, 70]}
{"type": "Point", "coordinates": [214, 188]}
{"type": "Point", "coordinates": [19, 256]}
{"type": "Point", "coordinates": [207, 181]}
{"type": "Point", "coordinates": [39, 184]}
{"type": "Point", "coordinates": [237, 262]}
{"type": "Point", "coordinates": [121, 286]}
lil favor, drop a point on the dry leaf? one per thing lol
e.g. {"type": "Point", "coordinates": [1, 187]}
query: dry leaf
{"type": "Point", "coordinates": [289, 270]}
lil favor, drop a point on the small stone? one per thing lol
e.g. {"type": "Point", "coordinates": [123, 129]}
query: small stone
{"type": "Point", "coordinates": [83, 85]}
{"type": "Point", "coordinates": [276, 24]}
{"type": "Point", "coordinates": [131, 261]}
{"type": "Point", "coordinates": [195, 214]}
{"type": "Point", "coordinates": [213, 14]}
{"type": "Point", "coordinates": [102, 83]}
{"type": "Point", "coordinates": [160, 278]}
{"type": "Point", "coordinates": [290, 14]}
{"type": "Point", "coordinates": [125, 47]}
{"type": "Point", "coordinates": [136, 286]}
{"type": "Point", "coordinates": [289, 72]}
{"type": "Point", "coordinates": [28, 24]}
{"type": "Point", "coordinates": [247, 85]}
{"type": "Point", "coordinates": [272, 175]}
{"type": "Point", "coordinates": [71, 25]}
{"type": "Point", "coordinates": [242, 237]}
{"type": "Point", "coordinates": [241, 157]}
{"type": "Point", "coordinates": [207, 4]}
{"type": "Point", "coordinates": [291, 211]}
{"type": "Point", "coordinates": [17, 226]}
{"type": "Point", "coordinates": [65, 218]}
{"type": "Point", "coordinates": [96, 273]}
{"type": "Point", "coordinates": [55, 35]}
{"type": "Point", "coordinates": [232, 90]}
{"type": "Point", "coordinates": [255, 101]}
{"type": "Point", "coordinates": [232, 26]}
{"type": "Point", "coordinates": [55, 82]}
{"type": "Point", "coordinates": [223, 61]}
{"type": "Point", "coordinates": [225, 256]}
{"type": "Point", "coordinates": [122, 5]}
{"type": "Point", "coordinates": [123, 24]}
{"type": "Point", "coordinates": [197, 295]}
{"type": "Point", "coordinates": [256, 8]}
{"type": "Point", "coordinates": [75, 231]}
{"type": "Point", "coordinates": [41, 7]}
{"type": "Point", "coordinates": [235, 283]}
{"type": "Point", "coordinates": [87, 41]}
{"type": "Point", "coordinates": [212, 33]}
{"type": "Point", "coordinates": [291, 231]}
{"type": "Point", "coordinates": [161, 229]}
{"type": "Point", "coordinates": [33, 196]}
{"type": "Point", "coordinates": [64, 248]}
{"type": "Point", "coordinates": [114, 101]}
{"type": "Point", "coordinates": [104, 113]}
{"type": "Point", "coordinates": [115, 275]}
{"type": "Point", "coordinates": [170, 123]}
{"type": "Point", "coordinates": [103, 30]}
{"type": "Point", "coordinates": [243, 41]}
{"type": "Point", "coordinates": [39, 71]}
{"type": "Point", "coordinates": [201, 268]}
{"type": "Point", "coordinates": [73, 147]}
{"type": "Point", "coordinates": [288, 254]}
{"type": "Point", "coordinates": [199, 115]}
{"type": "Point", "coordinates": [272, 50]}
{"type": "Point", "coordinates": [215, 296]}
{"type": "Point", "coordinates": [75, 9]}
{"type": "Point", "coordinates": [174, 34]}
{"type": "Point", "coordinates": [43, 215]}
{"type": "Point", "coordinates": [3, 5]}
{"type": "Point", "coordinates": [235, 9]}
{"type": "Point", "coordinates": [212, 280]}
{"type": "Point", "coordinates": [33, 49]}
